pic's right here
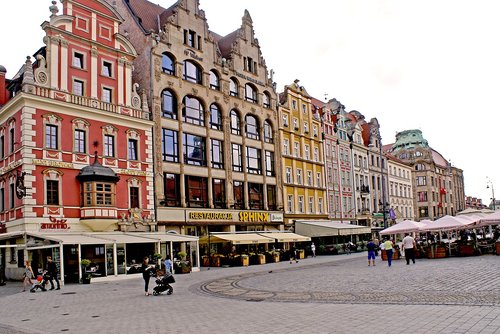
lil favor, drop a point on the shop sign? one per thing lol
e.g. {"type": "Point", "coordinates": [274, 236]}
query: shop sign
{"type": "Point", "coordinates": [276, 217]}
{"type": "Point", "coordinates": [50, 163]}
{"type": "Point", "coordinates": [246, 216]}
{"type": "Point", "coordinates": [55, 224]}
{"type": "Point", "coordinates": [210, 216]}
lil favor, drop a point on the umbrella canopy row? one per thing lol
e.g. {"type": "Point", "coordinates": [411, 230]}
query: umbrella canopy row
{"type": "Point", "coordinates": [446, 223]}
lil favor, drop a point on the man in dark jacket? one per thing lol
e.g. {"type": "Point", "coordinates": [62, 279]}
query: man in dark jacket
{"type": "Point", "coordinates": [52, 271]}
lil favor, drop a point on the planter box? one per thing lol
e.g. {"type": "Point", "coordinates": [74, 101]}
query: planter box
{"type": "Point", "coordinates": [436, 252]}
{"type": "Point", "coordinates": [466, 250]}
{"type": "Point", "coordinates": [276, 257]}
{"type": "Point", "coordinates": [245, 261]}
{"type": "Point", "coordinates": [498, 248]}
{"type": "Point", "coordinates": [395, 255]}
{"type": "Point", "coordinates": [301, 253]}
{"type": "Point", "coordinates": [261, 259]}
{"type": "Point", "coordinates": [205, 261]}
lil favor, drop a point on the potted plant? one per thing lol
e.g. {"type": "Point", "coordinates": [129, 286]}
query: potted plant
{"type": "Point", "coordinates": [157, 257]}
{"type": "Point", "coordinates": [85, 275]}
{"type": "Point", "coordinates": [182, 266]}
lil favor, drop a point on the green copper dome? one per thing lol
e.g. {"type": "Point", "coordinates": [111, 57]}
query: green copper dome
{"type": "Point", "coordinates": [409, 139]}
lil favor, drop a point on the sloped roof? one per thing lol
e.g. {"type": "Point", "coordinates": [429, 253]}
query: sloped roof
{"type": "Point", "coordinates": [147, 13]}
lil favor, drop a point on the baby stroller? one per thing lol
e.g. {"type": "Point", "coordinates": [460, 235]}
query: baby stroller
{"type": "Point", "coordinates": [163, 284]}
{"type": "Point", "coordinates": [41, 280]}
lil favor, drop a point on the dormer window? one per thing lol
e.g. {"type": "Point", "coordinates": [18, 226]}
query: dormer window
{"type": "Point", "coordinates": [192, 39]}
{"type": "Point", "coordinates": [250, 65]}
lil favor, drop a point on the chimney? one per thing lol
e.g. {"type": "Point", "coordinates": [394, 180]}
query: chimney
{"type": "Point", "coordinates": [3, 90]}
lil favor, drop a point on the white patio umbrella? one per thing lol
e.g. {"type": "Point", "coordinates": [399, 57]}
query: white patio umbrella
{"type": "Point", "coordinates": [448, 223]}
{"type": "Point", "coordinates": [488, 220]}
{"type": "Point", "coordinates": [406, 226]}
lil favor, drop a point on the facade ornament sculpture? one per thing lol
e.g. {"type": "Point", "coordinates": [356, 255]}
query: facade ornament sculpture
{"type": "Point", "coordinates": [41, 75]}
{"type": "Point", "coordinates": [28, 77]}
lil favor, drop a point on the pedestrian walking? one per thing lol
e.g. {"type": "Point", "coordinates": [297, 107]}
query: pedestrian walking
{"type": "Point", "coordinates": [313, 249]}
{"type": "Point", "coordinates": [52, 273]}
{"type": "Point", "coordinates": [146, 274]}
{"type": "Point", "coordinates": [409, 246]}
{"type": "Point", "coordinates": [28, 275]}
{"type": "Point", "coordinates": [389, 246]}
{"type": "Point", "coordinates": [350, 247]}
{"type": "Point", "coordinates": [293, 255]}
{"type": "Point", "coordinates": [371, 246]}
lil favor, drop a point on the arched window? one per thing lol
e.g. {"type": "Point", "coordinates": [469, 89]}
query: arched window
{"type": "Point", "coordinates": [214, 80]}
{"type": "Point", "coordinates": [233, 87]}
{"type": "Point", "coordinates": [168, 104]}
{"type": "Point", "coordinates": [268, 132]}
{"type": "Point", "coordinates": [168, 64]}
{"type": "Point", "coordinates": [235, 123]}
{"type": "Point", "coordinates": [192, 72]}
{"type": "Point", "coordinates": [266, 100]}
{"type": "Point", "coordinates": [250, 93]}
{"type": "Point", "coordinates": [193, 111]}
{"type": "Point", "coordinates": [252, 127]}
{"type": "Point", "coordinates": [215, 117]}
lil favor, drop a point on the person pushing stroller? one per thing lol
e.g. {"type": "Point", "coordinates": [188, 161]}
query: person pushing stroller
{"type": "Point", "coordinates": [163, 280]}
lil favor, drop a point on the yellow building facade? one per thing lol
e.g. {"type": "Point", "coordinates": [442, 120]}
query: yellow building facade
{"type": "Point", "coordinates": [303, 164]}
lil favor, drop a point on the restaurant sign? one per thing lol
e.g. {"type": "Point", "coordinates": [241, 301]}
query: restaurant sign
{"type": "Point", "coordinates": [246, 216]}
{"type": "Point", "coordinates": [55, 224]}
{"type": "Point", "coordinates": [210, 216]}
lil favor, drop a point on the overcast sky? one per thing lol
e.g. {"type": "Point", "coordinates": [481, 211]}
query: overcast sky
{"type": "Point", "coordinates": [428, 65]}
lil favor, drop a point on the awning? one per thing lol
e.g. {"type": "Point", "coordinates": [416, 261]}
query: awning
{"type": "Point", "coordinates": [286, 236]}
{"type": "Point", "coordinates": [169, 237]}
{"type": "Point", "coordinates": [237, 238]}
{"type": "Point", "coordinates": [325, 228]}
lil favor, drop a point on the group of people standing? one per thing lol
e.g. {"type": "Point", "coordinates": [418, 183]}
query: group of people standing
{"type": "Point", "coordinates": [408, 244]}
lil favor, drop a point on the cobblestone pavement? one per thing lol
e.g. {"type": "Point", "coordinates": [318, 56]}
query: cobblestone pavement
{"type": "Point", "coordinates": [329, 294]}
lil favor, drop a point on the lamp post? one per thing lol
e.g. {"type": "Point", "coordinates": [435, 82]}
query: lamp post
{"type": "Point", "coordinates": [488, 183]}
{"type": "Point", "coordinates": [379, 137]}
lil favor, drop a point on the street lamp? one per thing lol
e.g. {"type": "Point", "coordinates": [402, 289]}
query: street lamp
{"type": "Point", "coordinates": [488, 183]}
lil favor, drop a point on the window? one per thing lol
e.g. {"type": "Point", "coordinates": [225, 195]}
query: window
{"type": "Point", "coordinates": [422, 196]}
{"type": "Point", "coordinates": [296, 149]}
{"type": "Point", "coordinates": [266, 100]}
{"type": "Point", "coordinates": [233, 87]}
{"type": "Point", "coordinates": [268, 132]}
{"type": "Point", "coordinates": [170, 149]}
{"type": "Point", "coordinates": [254, 162]}
{"type": "Point", "coordinates": [316, 154]}
{"type": "Point", "coordinates": [285, 120]}
{"type": "Point", "coordinates": [306, 152]}
{"type": "Point", "coordinates": [190, 38]}
{"type": "Point", "coordinates": [2, 199]}
{"type": "Point", "coordinates": [215, 117]}
{"type": "Point", "coordinates": [172, 190]}
{"type": "Point", "coordinates": [270, 164]}
{"type": "Point", "coordinates": [289, 203]}
{"type": "Point", "coordinates": [295, 124]}
{"type": "Point", "coordinates": [252, 127]}
{"type": "Point", "coordinates": [193, 111]}
{"type": "Point", "coordinates": [52, 192]}
{"type": "Point", "coordinates": [107, 68]}
{"type": "Point", "coordinates": [288, 175]}
{"type": "Point", "coordinates": [249, 65]}
{"type": "Point", "coordinates": [301, 204]}
{"type": "Point", "coordinates": [194, 150]}
{"type": "Point", "coordinates": [51, 136]}
{"type": "Point", "coordinates": [78, 87]}
{"type": "Point", "coordinates": [320, 205]}
{"type": "Point", "coordinates": [99, 194]}
{"type": "Point", "coordinates": [80, 141]}
{"type": "Point", "coordinates": [134, 197]}
{"type": "Point", "coordinates": [169, 104]}
{"type": "Point", "coordinates": [217, 150]}
{"type": "Point", "coordinates": [237, 158]}
{"type": "Point", "coordinates": [132, 149]}
{"type": "Point", "coordinates": [235, 123]}
{"type": "Point", "coordinates": [12, 196]}
{"type": "Point", "coordinates": [106, 94]}
{"type": "Point", "coordinates": [167, 64]}
{"type": "Point", "coordinates": [214, 80]}
{"type": "Point", "coordinates": [239, 195]}
{"type": "Point", "coordinates": [419, 167]}
{"type": "Point", "coordinates": [421, 181]}
{"type": "Point", "coordinates": [311, 205]}
{"type": "Point", "coordinates": [315, 130]}
{"type": "Point", "coordinates": [109, 146]}
{"type": "Point", "coordinates": [11, 140]}
{"type": "Point", "coordinates": [219, 193]}
{"type": "Point", "coordinates": [250, 93]}
{"type": "Point", "coordinates": [306, 127]}
{"type": "Point", "coordinates": [286, 150]}
{"type": "Point", "coordinates": [2, 147]}
{"type": "Point", "coordinates": [299, 176]}
{"type": "Point", "coordinates": [192, 72]}
{"type": "Point", "coordinates": [256, 196]}
{"type": "Point", "coordinates": [424, 211]}
{"type": "Point", "coordinates": [196, 191]}
{"type": "Point", "coordinates": [78, 60]}
{"type": "Point", "coordinates": [309, 178]}
{"type": "Point", "coordinates": [318, 179]}
{"type": "Point", "coordinates": [271, 197]}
